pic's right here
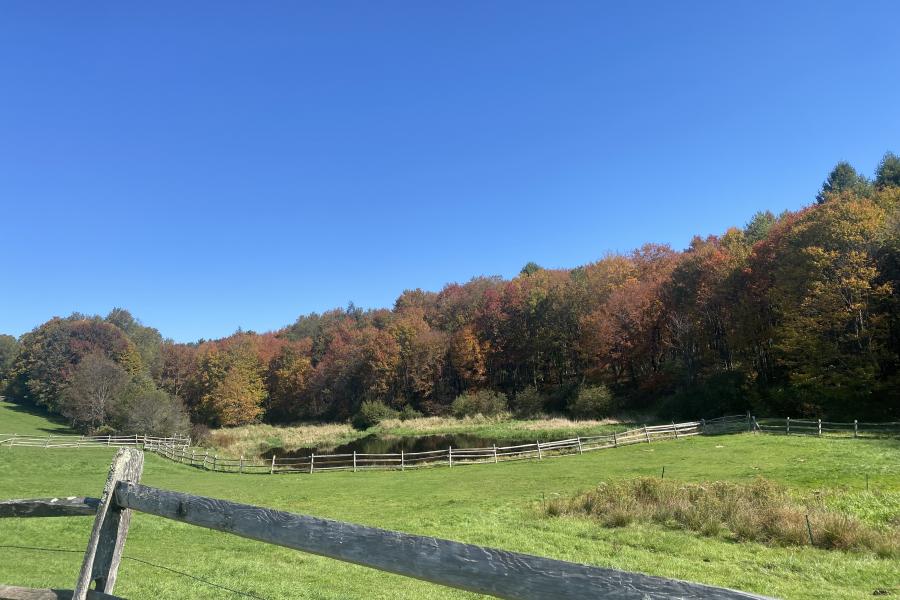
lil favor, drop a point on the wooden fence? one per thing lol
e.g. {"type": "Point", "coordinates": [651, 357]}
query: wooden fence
{"type": "Point", "coordinates": [179, 450]}
{"type": "Point", "coordinates": [88, 441]}
{"type": "Point", "coordinates": [818, 427]}
{"type": "Point", "coordinates": [453, 564]}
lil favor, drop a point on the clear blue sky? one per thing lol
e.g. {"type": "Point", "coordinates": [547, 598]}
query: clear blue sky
{"type": "Point", "coordinates": [210, 165]}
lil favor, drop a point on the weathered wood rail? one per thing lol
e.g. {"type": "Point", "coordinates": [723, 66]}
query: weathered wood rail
{"type": "Point", "coordinates": [453, 564]}
{"type": "Point", "coordinates": [448, 457]}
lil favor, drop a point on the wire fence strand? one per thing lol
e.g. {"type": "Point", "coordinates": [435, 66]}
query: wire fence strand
{"type": "Point", "coordinates": [146, 562]}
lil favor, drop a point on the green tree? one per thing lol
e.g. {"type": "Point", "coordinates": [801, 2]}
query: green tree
{"type": "Point", "coordinates": [759, 226]}
{"type": "Point", "coordinates": [843, 177]}
{"type": "Point", "coordinates": [888, 172]}
{"type": "Point", "coordinates": [9, 350]}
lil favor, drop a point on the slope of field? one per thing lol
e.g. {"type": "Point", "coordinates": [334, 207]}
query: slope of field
{"type": "Point", "coordinates": [23, 420]}
{"type": "Point", "coordinates": [495, 505]}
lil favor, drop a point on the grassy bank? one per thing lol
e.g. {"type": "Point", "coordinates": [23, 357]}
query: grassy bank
{"type": "Point", "coordinates": [252, 440]}
{"type": "Point", "coordinates": [495, 505]}
{"type": "Point", "coordinates": [25, 420]}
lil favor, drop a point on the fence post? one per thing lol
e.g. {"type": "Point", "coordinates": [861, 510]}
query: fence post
{"type": "Point", "coordinates": [312, 462]}
{"type": "Point", "coordinates": [354, 461]}
{"type": "Point", "coordinates": [702, 425]}
{"type": "Point", "coordinates": [495, 453]}
{"type": "Point", "coordinates": [749, 424]}
{"type": "Point", "coordinates": [193, 453]}
{"type": "Point", "coordinates": [540, 455]}
{"type": "Point", "coordinates": [108, 438]}
{"type": "Point", "coordinates": [855, 427]}
{"type": "Point", "coordinates": [820, 427]}
{"type": "Point", "coordinates": [104, 549]}
{"type": "Point", "coordinates": [215, 460]}
{"type": "Point", "coordinates": [272, 468]}
{"type": "Point", "coordinates": [615, 440]}
{"type": "Point", "coordinates": [580, 451]}
{"type": "Point", "coordinates": [787, 429]}
{"type": "Point", "coordinates": [205, 456]}
{"type": "Point", "coordinates": [675, 429]}
{"type": "Point", "coordinates": [47, 443]}
{"type": "Point", "coordinates": [402, 461]}
{"type": "Point", "coordinates": [450, 457]}
{"type": "Point", "coordinates": [647, 435]}
{"type": "Point", "coordinates": [755, 425]}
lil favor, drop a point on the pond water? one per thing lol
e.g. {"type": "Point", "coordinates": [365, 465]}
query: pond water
{"type": "Point", "coordinates": [373, 444]}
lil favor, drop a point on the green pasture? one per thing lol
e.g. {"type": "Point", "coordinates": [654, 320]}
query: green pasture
{"type": "Point", "coordinates": [493, 505]}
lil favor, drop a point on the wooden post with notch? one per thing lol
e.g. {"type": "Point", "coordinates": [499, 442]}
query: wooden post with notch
{"type": "Point", "coordinates": [104, 549]}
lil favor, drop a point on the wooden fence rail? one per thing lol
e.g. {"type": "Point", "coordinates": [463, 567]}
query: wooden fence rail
{"type": "Point", "coordinates": [453, 564]}
{"type": "Point", "coordinates": [178, 449]}
{"type": "Point", "coordinates": [818, 427]}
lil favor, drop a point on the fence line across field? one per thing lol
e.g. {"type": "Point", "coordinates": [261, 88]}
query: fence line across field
{"type": "Point", "coordinates": [179, 449]}
{"type": "Point", "coordinates": [478, 569]}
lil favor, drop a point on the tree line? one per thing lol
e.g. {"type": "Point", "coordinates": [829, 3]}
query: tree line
{"type": "Point", "coordinates": [795, 314]}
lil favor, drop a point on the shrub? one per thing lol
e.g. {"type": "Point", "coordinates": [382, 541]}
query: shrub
{"type": "Point", "coordinates": [199, 434]}
{"type": "Point", "coordinates": [483, 402]}
{"type": "Point", "coordinates": [592, 402]}
{"type": "Point", "coordinates": [408, 412]}
{"type": "Point", "coordinates": [528, 402]}
{"type": "Point", "coordinates": [761, 511]}
{"type": "Point", "coordinates": [372, 413]}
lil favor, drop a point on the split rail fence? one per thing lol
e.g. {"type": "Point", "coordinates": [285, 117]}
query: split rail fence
{"type": "Point", "coordinates": [179, 449]}
{"type": "Point", "coordinates": [818, 427]}
{"type": "Point", "coordinates": [453, 564]}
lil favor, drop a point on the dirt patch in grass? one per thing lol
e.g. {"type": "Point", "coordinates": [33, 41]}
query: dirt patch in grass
{"type": "Point", "coordinates": [761, 511]}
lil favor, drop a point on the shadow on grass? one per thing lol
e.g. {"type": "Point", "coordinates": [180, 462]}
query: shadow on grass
{"type": "Point", "coordinates": [61, 427]}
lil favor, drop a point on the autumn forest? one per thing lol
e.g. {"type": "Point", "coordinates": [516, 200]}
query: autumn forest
{"type": "Point", "coordinates": [794, 314]}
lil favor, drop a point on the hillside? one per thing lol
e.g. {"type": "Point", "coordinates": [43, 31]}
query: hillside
{"type": "Point", "coordinates": [795, 314]}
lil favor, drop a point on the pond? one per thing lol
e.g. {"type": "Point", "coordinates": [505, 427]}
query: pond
{"type": "Point", "coordinates": [373, 444]}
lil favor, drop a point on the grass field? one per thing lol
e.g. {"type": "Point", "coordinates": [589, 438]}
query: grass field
{"type": "Point", "coordinates": [22, 420]}
{"type": "Point", "coordinates": [495, 505]}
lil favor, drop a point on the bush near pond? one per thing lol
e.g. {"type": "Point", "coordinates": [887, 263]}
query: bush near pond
{"type": "Point", "coordinates": [372, 413]}
{"type": "Point", "coordinates": [592, 402]}
{"type": "Point", "coordinates": [483, 402]}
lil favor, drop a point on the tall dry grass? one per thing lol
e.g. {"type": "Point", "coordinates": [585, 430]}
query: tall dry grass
{"type": "Point", "coordinates": [252, 440]}
{"type": "Point", "coordinates": [443, 424]}
{"type": "Point", "coordinates": [761, 511]}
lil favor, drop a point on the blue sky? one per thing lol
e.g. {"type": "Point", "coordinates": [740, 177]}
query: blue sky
{"type": "Point", "coordinates": [210, 165]}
